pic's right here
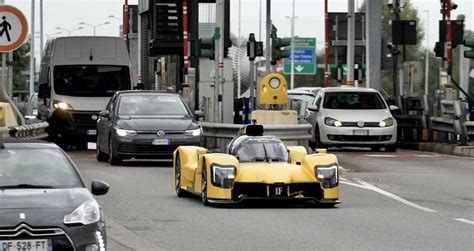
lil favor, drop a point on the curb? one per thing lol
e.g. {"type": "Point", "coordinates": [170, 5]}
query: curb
{"type": "Point", "coordinates": [448, 149]}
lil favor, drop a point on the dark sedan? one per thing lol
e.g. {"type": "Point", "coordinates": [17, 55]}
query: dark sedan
{"type": "Point", "coordinates": [44, 204]}
{"type": "Point", "coordinates": [145, 125]}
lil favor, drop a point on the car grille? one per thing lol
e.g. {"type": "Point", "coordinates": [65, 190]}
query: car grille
{"type": "Point", "coordinates": [147, 149]}
{"type": "Point", "coordinates": [366, 124]}
{"type": "Point", "coordinates": [60, 240]}
{"type": "Point", "coordinates": [260, 190]}
{"type": "Point", "coordinates": [84, 119]}
{"type": "Point", "coordinates": [354, 138]}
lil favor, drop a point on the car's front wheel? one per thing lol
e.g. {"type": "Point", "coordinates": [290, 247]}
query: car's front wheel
{"type": "Point", "coordinates": [204, 199]}
{"type": "Point", "coordinates": [317, 139]}
{"type": "Point", "coordinates": [100, 156]}
{"type": "Point", "coordinates": [391, 148]}
{"type": "Point", "coordinates": [177, 175]}
{"type": "Point", "coordinates": [113, 160]}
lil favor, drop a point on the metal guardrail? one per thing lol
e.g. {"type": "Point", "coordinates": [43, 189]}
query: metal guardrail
{"type": "Point", "coordinates": [217, 136]}
{"type": "Point", "coordinates": [453, 120]}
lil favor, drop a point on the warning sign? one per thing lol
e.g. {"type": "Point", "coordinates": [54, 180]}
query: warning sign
{"type": "Point", "coordinates": [13, 28]}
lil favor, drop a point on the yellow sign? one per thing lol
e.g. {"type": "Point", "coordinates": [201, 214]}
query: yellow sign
{"type": "Point", "coordinates": [273, 90]}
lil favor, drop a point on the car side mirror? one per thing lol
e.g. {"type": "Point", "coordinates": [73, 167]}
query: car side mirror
{"type": "Point", "coordinates": [313, 108]}
{"type": "Point", "coordinates": [99, 187]}
{"type": "Point", "coordinates": [394, 108]}
{"type": "Point", "coordinates": [198, 114]}
{"type": "Point", "coordinates": [44, 91]}
{"type": "Point", "coordinates": [104, 113]}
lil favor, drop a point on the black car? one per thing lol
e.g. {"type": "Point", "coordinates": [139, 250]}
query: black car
{"type": "Point", "coordinates": [44, 204]}
{"type": "Point", "coordinates": [145, 125]}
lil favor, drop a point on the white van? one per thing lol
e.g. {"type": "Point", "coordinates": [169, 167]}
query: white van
{"type": "Point", "coordinates": [78, 76]}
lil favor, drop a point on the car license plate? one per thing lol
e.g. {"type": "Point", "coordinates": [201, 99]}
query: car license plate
{"type": "Point", "coordinates": [91, 132]}
{"type": "Point", "coordinates": [360, 132]}
{"type": "Point", "coordinates": [160, 142]}
{"type": "Point", "coordinates": [26, 245]}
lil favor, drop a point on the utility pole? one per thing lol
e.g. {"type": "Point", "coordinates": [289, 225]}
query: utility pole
{"type": "Point", "coordinates": [32, 49]}
{"type": "Point", "coordinates": [350, 43]}
{"type": "Point", "coordinates": [396, 52]}
{"type": "Point", "coordinates": [427, 54]}
{"type": "Point", "coordinates": [326, 44]}
{"type": "Point", "coordinates": [41, 29]}
{"type": "Point", "coordinates": [373, 49]}
{"type": "Point", "coordinates": [220, 16]}
{"type": "Point", "coordinates": [292, 76]}
{"type": "Point", "coordinates": [268, 45]}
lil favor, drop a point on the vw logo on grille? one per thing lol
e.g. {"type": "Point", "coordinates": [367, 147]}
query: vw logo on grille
{"type": "Point", "coordinates": [360, 124]}
{"type": "Point", "coordinates": [160, 133]}
{"type": "Point", "coordinates": [94, 117]}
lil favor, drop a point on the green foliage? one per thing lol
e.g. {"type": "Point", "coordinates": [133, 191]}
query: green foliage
{"type": "Point", "coordinates": [21, 63]}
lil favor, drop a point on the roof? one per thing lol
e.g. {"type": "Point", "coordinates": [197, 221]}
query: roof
{"type": "Point", "coordinates": [145, 92]}
{"type": "Point", "coordinates": [348, 89]}
{"type": "Point", "coordinates": [26, 144]}
{"type": "Point", "coordinates": [300, 92]}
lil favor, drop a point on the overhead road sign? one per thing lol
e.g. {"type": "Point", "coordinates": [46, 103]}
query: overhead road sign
{"type": "Point", "coordinates": [13, 28]}
{"type": "Point", "coordinates": [305, 57]}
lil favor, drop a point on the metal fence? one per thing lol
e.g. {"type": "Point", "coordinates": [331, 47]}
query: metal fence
{"type": "Point", "coordinates": [217, 136]}
{"type": "Point", "coordinates": [453, 121]}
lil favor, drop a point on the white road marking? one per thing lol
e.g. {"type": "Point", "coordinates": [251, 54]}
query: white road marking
{"type": "Point", "coordinates": [342, 168]}
{"type": "Point", "coordinates": [353, 184]}
{"type": "Point", "coordinates": [464, 220]}
{"type": "Point", "coordinates": [395, 197]}
{"type": "Point", "coordinates": [380, 155]}
{"type": "Point", "coordinates": [425, 155]}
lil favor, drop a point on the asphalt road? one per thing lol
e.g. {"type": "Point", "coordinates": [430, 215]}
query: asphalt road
{"type": "Point", "coordinates": [399, 201]}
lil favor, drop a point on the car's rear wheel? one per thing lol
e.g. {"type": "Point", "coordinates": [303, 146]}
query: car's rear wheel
{"type": "Point", "coordinates": [391, 148]}
{"type": "Point", "coordinates": [204, 199]}
{"type": "Point", "coordinates": [113, 160]}
{"type": "Point", "coordinates": [177, 175]}
{"type": "Point", "coordinates": [101, 156]}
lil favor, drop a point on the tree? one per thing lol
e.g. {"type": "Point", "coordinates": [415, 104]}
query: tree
{"type": "Point", "coordinates": [20, 64]}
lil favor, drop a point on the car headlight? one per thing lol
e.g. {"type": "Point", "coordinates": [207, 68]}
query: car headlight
{"type": "Point", "coordinates": [193, 132]}
{"type": "Point", "coordinates": [328, 175]}
{"type": "Point", "coordinates": [386, 122]}
{"type": "Point", "coordinates": [87, 213]}
{"type": "Point", "coordinates": [332, 122]}
{"type": "Point", "coordinates": [223, 176]}
{"type": "Point", "coordinates": [274, 83]}
{"type": "Point", "coordinates": [61, 105]}
{"type": "Point", "coordinates": [123, 133]}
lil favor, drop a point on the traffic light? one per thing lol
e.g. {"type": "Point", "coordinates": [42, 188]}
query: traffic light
{"type": "Point", "coordinates": [469, 43]}
{"type": "Point", "coordinates": [203, 47]}
{"type": "Point", "coordinates": [277, 46]}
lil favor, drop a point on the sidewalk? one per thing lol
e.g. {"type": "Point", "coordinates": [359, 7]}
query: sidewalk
{"type": "Point", "coordinates": [450, 149]}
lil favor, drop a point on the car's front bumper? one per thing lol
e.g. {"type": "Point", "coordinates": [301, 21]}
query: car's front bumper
{"type": "Point", "coordinates": [375, 136]}
{"type": "Point", "coordinates": [141, 146]}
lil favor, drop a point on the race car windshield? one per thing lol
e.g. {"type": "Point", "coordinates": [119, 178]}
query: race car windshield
{"type": "Point", "coordinates": [262, 151]}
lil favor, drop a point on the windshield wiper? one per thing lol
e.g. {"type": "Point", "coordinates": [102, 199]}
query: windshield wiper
{"type": "Point", "coordinates": [25, 186]}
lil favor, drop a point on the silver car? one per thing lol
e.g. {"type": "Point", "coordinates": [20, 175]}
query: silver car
{"type": "Point", "coordinates": [352, 117]}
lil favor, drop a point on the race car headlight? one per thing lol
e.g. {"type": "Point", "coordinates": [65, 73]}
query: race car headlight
{"type": "Point", "coordinates": [223, 176]}
{"type": "Point", "coordinates": [123, 133]}
{"type": "Point", "coordinates": [61, 105]}
{"type": "Point", "coordinates": [386, 122]}
{"type": "Point", "coordinates": [328, 175]}
{"type": "Point", "coordinates": [193, 132]}
{"type": "Point", "coordinates": [332, 122]}
{"type": "Point", "coordinates": [87, 213]}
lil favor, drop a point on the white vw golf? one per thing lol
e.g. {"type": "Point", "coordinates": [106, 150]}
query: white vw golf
{"type": "Point", "coordinates": [352, 117]}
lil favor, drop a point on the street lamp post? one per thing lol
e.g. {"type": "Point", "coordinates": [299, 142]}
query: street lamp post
{"type": "Point", "coordinates": [94, 26]}
{"type": "Point", "coordinates": [427, 54]}
{"type": "Point", "coordinates": [292, 72]}
{"type": "Point", "coordinates": [69, 31]}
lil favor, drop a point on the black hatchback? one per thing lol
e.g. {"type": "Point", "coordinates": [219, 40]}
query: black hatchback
{"type": "Point", "coordinates": [44, 204]}
{"type": "Point", "coordinates": [145, 125]}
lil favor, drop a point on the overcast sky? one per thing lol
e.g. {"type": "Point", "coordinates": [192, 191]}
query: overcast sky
{"type": "Point", "coordinates": [310, 22]}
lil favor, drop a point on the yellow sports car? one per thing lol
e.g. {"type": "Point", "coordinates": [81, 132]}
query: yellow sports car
{"type": "Point", "coordinates": [256, 167]}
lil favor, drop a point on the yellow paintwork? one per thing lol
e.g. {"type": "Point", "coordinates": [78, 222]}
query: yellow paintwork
{"type": "Point", "coordinates": [194, 159]}
{"type": "Point", "coordinates": [297, 153]}
{"type": "Point", "coordinates": [272, 96]}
